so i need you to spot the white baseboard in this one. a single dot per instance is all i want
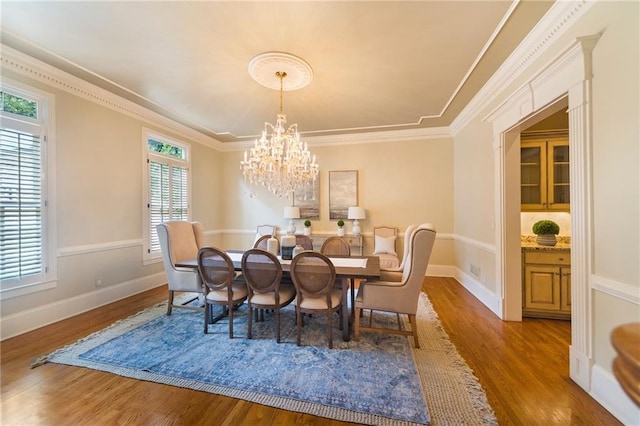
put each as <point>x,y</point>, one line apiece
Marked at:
<point>488,298</point>
<point>22,322</point>
<point>607,391</point>
<point>581,367</point>
<point>440,271</point>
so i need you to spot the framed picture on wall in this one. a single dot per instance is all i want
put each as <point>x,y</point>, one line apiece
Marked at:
<point>343,192</point>
<point>309,201</point>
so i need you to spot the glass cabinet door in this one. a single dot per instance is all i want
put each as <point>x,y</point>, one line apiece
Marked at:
<point>558,175</point>
<point>532,176</point>
<point>544,174</point>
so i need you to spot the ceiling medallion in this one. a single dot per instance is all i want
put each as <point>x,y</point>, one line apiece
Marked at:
<point>264,66</point>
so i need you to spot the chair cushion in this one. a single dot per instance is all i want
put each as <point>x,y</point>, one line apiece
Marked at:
<point>239,292</point>
<point>384,245</point>
<point>321,302</point>
<point>287,293</point>
<point>389,261</point>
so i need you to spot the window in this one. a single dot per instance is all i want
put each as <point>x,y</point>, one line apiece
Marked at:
<point>167,186</point>
<point>26,168</point>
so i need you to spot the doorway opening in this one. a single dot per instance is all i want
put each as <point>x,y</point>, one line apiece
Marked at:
<point>545,197</point>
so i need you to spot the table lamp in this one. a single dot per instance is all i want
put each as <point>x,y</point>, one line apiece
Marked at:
<point>356,213</point>
<point>292,213</point>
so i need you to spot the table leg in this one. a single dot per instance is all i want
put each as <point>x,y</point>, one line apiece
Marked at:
<point>345,309</point>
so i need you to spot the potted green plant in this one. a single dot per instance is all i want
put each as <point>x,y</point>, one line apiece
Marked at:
<point>341,228</point>
<point>546,231</point>
<point>307,227</point>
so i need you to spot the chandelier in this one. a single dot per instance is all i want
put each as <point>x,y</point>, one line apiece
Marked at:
<point>280,161</point>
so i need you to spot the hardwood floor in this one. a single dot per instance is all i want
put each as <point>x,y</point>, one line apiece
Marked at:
<point>522,366</point>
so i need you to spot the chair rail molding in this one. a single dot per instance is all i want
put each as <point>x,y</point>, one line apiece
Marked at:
<point>623,291</point>
<point>98,247</point>
<point>489,248</point>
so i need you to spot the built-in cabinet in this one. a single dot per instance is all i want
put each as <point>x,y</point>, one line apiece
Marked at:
<point>544,172</point>
<point>546,283</point>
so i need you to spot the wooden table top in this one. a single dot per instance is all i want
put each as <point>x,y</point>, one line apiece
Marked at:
<point>372,268</point>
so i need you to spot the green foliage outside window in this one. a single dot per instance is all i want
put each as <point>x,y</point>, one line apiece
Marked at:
<point>18,105</point>
<point>165,148</point>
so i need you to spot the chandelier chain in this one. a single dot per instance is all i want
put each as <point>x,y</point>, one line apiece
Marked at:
<point>281,75</point>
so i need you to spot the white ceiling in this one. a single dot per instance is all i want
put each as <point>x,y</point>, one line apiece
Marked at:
<point>376,65</point>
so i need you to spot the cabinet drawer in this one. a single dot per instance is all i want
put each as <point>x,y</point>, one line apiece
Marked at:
<point>352,241</point>
<point>548,257</point>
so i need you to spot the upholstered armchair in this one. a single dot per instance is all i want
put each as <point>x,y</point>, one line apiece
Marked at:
<point>384,246</point>
<point>395,273</point>
<point>180,241</point>
<point>265,230</point>
<point>400,297</point>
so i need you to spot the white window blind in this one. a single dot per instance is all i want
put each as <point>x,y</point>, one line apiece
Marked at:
<point>21,236</point>
<point>168,197</point>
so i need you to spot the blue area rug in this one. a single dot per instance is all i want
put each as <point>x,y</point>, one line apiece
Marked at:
<point>374,381</point>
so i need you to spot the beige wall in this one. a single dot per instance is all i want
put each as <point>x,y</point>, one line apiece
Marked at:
<point>399,183</point>
<point>99,169</point>
<point>616,172</point>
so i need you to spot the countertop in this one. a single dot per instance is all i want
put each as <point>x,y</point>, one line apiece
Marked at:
<point>528,242</point>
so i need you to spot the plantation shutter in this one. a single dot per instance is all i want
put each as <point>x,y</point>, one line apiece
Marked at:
<point>167,197</point>
<point>21,240</point>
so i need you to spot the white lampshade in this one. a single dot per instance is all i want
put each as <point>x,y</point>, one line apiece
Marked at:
<point>292,212</point>
<point>356,213</point>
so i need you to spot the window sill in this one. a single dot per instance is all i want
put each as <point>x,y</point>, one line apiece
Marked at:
<point>9,293</point>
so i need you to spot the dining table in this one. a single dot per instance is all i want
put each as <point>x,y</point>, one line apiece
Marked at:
<point>348,268</point>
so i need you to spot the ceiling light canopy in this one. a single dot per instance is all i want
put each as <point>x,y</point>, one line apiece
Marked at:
<point>280,161</point>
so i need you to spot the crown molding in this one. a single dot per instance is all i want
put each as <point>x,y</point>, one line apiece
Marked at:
<point>35,69</point>
<point>560,17</point>
<point>362,138</point>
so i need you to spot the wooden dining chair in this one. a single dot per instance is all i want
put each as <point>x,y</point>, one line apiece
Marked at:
<point>222,288</point>
<point>335,246</point>
<point>263,242</point>
<point>314,277</point>
<point>263,273</point>
<point>304,241</point>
